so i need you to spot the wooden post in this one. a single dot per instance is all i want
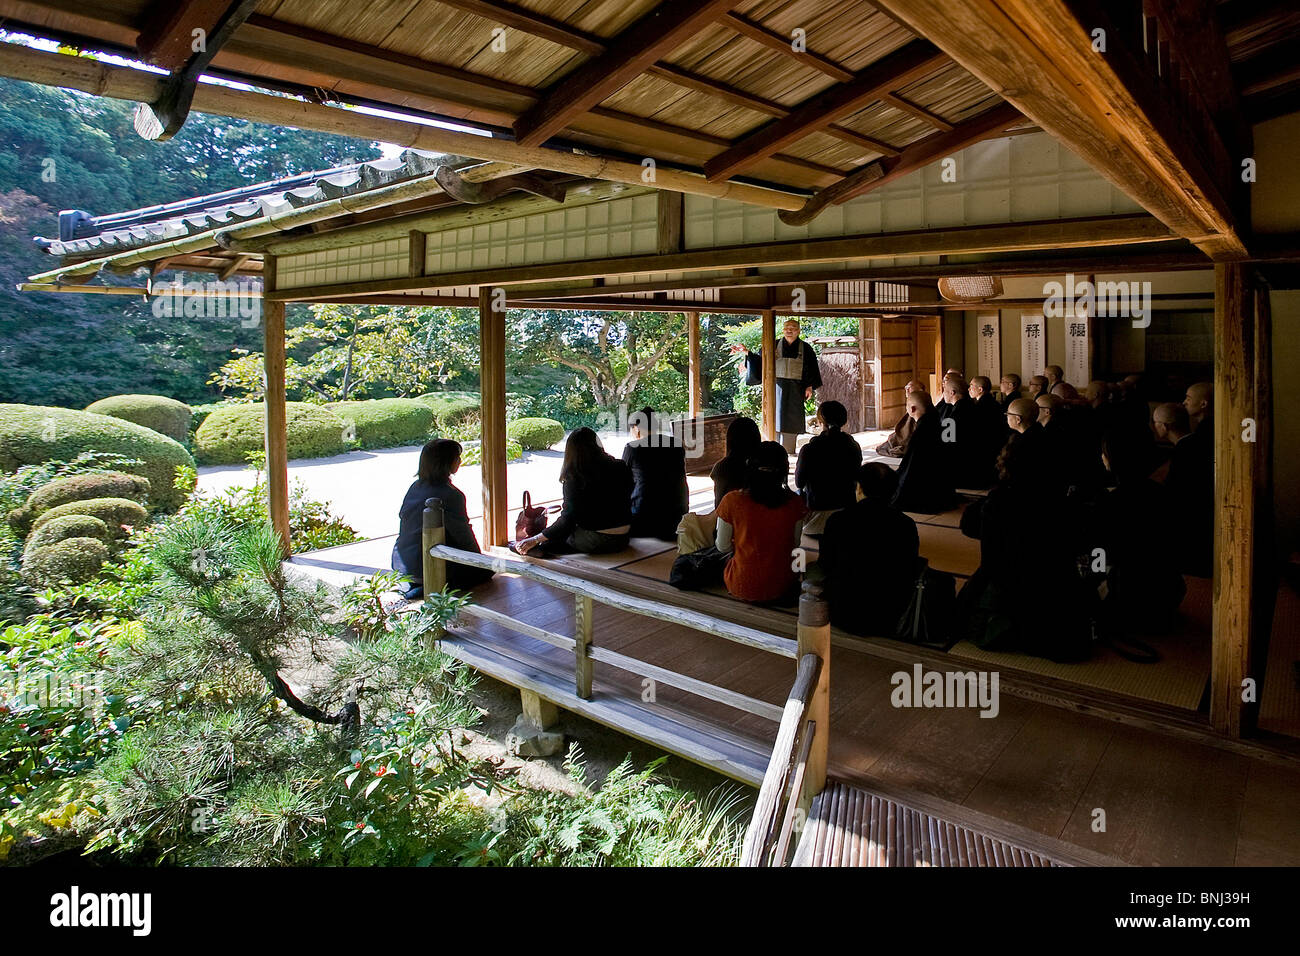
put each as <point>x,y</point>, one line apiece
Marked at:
<point>433,532</point>
<point>538,711</point>
<point>582,611</point>
<point>694,396</point>
<point>277,437</point>
<point>1235,488</point>
<point>769,375</point>
<point>814,637</point>
<point>492,394</point>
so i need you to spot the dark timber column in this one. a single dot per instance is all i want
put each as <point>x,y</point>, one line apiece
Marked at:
<point>492,395</point>
<point>769,375</point>
<point>1235,466</point>
<point>277,440</point>
<point>694,397</point>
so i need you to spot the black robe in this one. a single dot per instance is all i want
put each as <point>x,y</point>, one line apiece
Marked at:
<point>790,415</point>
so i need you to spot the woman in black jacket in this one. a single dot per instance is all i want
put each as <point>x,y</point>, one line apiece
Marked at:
<point>827,470</point>
<point>596,517</point>
<point>439,460</point>
<point>728,474</point>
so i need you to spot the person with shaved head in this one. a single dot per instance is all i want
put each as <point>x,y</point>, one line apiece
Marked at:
<point>1054,374</point>
<point>895,446</point>
<point>1038,386</point>
<point>1008,389</point>
<point>1191,480</point>
<point>925,482</point>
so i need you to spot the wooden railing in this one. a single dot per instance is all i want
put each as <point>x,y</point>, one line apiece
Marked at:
<point>437,553</point>
<point>797,771</point>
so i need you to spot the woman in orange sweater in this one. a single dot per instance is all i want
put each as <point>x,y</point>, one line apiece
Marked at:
<point>760,527</point>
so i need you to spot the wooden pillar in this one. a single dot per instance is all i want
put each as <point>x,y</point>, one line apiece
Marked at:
<point>769,375</point>
<point>277,437</point>
<point>694,389</point>
<point>1235,488</point>
<point>582,621</point>
<point>492,396</point>
<point>814,637</point>
<point>433,531</point>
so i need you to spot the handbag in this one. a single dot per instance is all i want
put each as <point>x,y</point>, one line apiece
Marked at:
<point>696,532</point>
<point>931,614</point>
<point>699,570</point>
<point>753,369</point>
<point>531,520</point>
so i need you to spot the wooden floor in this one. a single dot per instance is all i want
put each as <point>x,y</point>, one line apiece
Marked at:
<point>1134,794</point>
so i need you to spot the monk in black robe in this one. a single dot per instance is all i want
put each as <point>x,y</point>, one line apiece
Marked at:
<point>797,374</point>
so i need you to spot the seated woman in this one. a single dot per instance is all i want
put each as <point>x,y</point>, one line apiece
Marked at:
<point>925,480</point>
<point>868,555</point>
<point>596,516</point>
<point>827,469</point>
<point>439,460</point>
<point>760,526</point>
<point>728,474</point>
<point>658,464</point>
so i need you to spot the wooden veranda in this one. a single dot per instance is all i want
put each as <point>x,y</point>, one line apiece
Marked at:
<point>772,158</point>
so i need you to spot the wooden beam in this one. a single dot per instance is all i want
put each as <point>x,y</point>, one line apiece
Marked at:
<point>1235,488</point>
<point>276,421</point>
<point>670,223</point>
<point>1192,27</point>
<point>492,398</point>
<point>1107,108</point>
<point>895,70</point>
<point>920,154</point>
<point>814,637</point>
<point>168,38</point>
<point>526,21</point>
<point>1051,234</point>
<point>694,393</point>
<point>785,46</point>
<point>629,54</point>
<point>417,245</point>
<point>769,375</point>
<point>920,112</point>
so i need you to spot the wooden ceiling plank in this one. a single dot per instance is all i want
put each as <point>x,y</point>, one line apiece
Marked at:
<point>920,112</point>
<point>785,46</point>
<point>626,56</point>
<point>527,21</point>
<point>1038,54</point>
<point>897,69</point>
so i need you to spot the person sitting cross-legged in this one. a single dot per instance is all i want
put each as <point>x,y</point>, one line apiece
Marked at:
<point>728,474</point>
<point>659,493</point>
<point>760,526</point>
<point>868,556</point>
<point>596,516</point>
<point>925,478</point>
<point>826,471</point>
<point>439,460</point>
<point>895,446</point>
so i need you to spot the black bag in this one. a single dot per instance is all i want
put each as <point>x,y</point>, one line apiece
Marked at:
<point>753,369</point>
<point>699,569</point>
<point>931,615</point>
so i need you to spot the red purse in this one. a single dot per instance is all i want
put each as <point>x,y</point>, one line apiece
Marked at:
<point>531,520</point>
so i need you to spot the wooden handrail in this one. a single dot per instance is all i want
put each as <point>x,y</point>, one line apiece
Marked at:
<point>772,791</point>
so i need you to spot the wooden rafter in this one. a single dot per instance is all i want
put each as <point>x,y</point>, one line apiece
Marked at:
<point>920,112</point>
<point>1107,107</point>
<point>168,38</point>
<point>627,55</point>
<point>895,70</point>
<point>536,24</point>
<point>785,46</point>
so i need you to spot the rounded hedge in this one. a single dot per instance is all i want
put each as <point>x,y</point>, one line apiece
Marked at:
<point>104,484</point>
<point>68,526</point>
<point>32,434</point>
<point>456,412</point>
<point>535,434</point>
<point>73,559</point>
<point>387,422</point>
<point>472,452</point>
<point>229,434</point>
<point>114,512</point>
<point>164,415</point>
<point>200,413</point>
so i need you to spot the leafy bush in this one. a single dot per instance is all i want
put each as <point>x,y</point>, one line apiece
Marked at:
<point>35,434</point>
<point>386,422</point>
<point>164,415</point>
<point>72,559</point>
<point>69,526</point>
<point>114,512</point>
<point>449,414</point>
<point>228,434</point>
<point>534,434</point>
<point>473,452</point>
<point>104,484</point>
<point>200,413</point>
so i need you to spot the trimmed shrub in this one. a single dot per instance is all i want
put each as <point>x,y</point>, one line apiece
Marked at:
<point>104,484</point>
<point>68,526</point>
<point>164,415</point>
<point>114,512</point>
<point>73,559</point>
<point>199,414</point>
<point>32,434</point>
<point>229,434</point>
<point>458,411</point>
<point>387,422</point>
<point>535,433</point>
<point>473,452</point>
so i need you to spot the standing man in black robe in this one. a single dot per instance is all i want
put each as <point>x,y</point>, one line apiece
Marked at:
<point>797,374</point>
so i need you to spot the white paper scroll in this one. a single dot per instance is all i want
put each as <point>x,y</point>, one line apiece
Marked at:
<point>1033,344</point>
<point>989,327</point>
<point>1077,371</point>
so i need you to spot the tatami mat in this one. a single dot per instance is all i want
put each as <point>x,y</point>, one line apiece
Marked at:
<point>947,549</point>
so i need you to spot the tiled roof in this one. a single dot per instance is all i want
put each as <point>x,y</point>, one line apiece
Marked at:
<point>81,234</point>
